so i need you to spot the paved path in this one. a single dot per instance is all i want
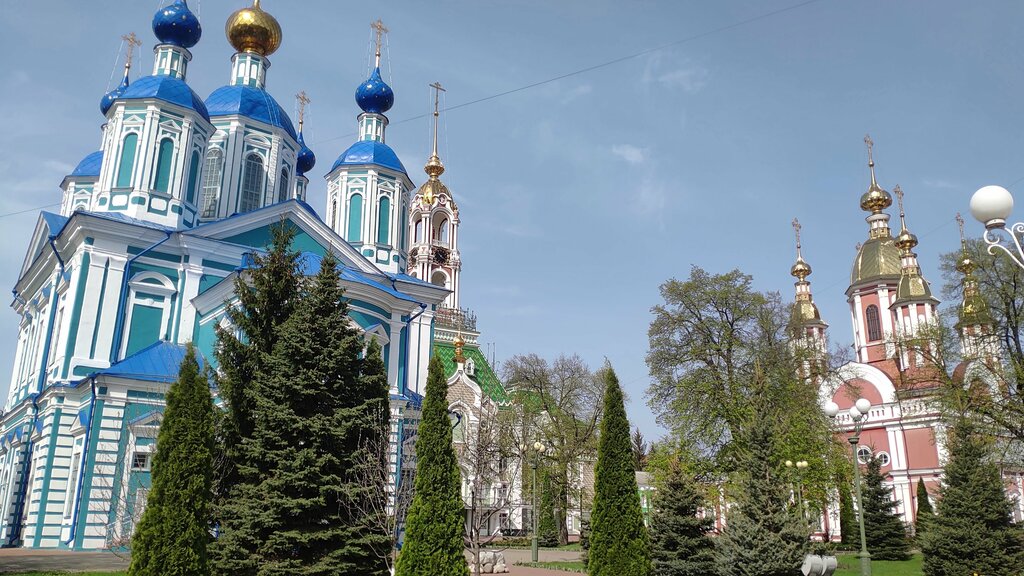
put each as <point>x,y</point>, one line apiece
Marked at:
<point>22,560</point>
<point>513,555</point>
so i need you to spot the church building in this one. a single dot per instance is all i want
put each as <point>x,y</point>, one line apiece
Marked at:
<point>153,231</point>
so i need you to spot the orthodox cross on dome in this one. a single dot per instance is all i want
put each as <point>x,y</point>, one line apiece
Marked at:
<point>303,101</point>
<point>899,198</point>
<point>437,99</point>
<point>960,223</point>
<point>871,160</point>
<point>133,42</point>
<point>380,30</point>
<point>797,227</point>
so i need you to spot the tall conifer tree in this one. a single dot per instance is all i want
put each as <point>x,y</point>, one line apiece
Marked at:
<point>435,523</point>
<point>847,517</point>
<point>619,543</point>
<point>172,537</point>
<point>885,532</point>
<point>973,532</point>
<point>925,513</point>
<point>680,541</point>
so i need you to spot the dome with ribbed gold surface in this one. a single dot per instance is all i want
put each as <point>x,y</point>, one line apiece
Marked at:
<point>254,30</point>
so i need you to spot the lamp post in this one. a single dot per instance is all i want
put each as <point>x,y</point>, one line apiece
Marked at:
<point>991,205</point>
<point>538,449</point>
<point>800,465</point>
<point>859,414</point>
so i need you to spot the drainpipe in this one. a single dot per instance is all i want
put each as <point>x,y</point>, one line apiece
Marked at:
<point>81,466</point>
<point>19,506</point>
<point>115,350</point>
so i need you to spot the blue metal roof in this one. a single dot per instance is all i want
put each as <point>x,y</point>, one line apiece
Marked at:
<point>168,89</point>
<point>251,103</point>
<point>369,152</point>
<point>159,362</point>
<point>55,222</point>
<point>89,166</point>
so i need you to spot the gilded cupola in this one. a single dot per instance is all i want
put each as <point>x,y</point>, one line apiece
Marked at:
<point>973,310</point>
<point>878,258</point>
<point>433,188</point>
<point>804,308</point>
<point>253,30</point>
<point>912,286</point>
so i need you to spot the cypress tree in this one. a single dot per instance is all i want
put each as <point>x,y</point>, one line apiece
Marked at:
<point>972,533</point>
<point>764,535</point>
<point>619,544</point>
<point>266,296</point>
<point>435,523</point>
<point>848,529</point>
<point>885,532</point>
<point>547,525</point>
<point>925,512</point>
<point>680,544</point>
<point>172,537</point>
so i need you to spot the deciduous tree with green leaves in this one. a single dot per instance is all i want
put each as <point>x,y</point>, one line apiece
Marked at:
<point>434,526</point>
<point>174,532</point>
<point>619,544</point>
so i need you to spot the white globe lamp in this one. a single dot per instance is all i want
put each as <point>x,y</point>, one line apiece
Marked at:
<point>863,405</point>
<point>991,205</point>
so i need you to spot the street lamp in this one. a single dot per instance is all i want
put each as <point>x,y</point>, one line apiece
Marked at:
<point>800,465</point>
<point>859,414</point>
<point>538,449</point>
<point>991,205</point>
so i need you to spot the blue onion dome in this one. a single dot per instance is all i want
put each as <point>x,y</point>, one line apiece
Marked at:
<point>175,24</point>
<point>108,99</point>
<point>306,159</point>
<point>374,96</point>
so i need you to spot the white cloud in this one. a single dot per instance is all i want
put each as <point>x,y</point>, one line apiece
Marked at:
<point>685,75</point>
<point>632,154</point>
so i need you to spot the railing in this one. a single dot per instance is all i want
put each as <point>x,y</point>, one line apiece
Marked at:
<point>456,318</point>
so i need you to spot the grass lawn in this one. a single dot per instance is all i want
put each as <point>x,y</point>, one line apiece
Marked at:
<point>572,566</point>
<point>65,573</point>
<point>849,565</point>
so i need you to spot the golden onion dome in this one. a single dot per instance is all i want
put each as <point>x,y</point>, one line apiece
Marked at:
<point>877,258</point>
<point>875,199</point>
<point>806,311</point>
<point>253,30</point>
<point>906,241</point>
<point>431,190</point>
<point>801,269</point>
<point>965,265</point>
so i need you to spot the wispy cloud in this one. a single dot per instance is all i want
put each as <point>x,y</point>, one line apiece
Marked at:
<point>630,153</point>
<point>575,93</point>
<point>681,74</point>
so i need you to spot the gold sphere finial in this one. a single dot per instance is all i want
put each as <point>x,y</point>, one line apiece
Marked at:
<point>801,270</point>
<point>876,198</point>
<point>253,30</point>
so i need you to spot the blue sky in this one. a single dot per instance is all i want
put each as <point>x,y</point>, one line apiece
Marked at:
<point>580,197</point>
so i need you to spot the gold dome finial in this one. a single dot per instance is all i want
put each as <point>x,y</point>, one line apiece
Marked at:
<point>965,265</point>
<point>133,42</point>
<point>380,30</point>
<point>875,199</point>
<point>434,168</point>
<point>253,30</point>
<point>801,270</point>
<point>905,241</point>
<point>459,343</point>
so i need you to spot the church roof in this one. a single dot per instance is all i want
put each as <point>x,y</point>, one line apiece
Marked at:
<point>877,259</point>
<point>484,376</point>
<point>156,363</point>
<point>252,103</point>
<point>89,166</point>
<point>369,152</point>
<point>169,89</point>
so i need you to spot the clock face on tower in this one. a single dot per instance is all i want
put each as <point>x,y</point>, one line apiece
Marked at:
<point>440,255</point>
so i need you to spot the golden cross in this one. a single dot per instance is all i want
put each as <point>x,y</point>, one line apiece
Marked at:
<point>381,30</point>
<point>303,101</point>
<point>870,143</point>
<point>899,197</point>
<point>797,227</point>
<point>133,42</point>
<point>960,222</point>
<point>437,99</point>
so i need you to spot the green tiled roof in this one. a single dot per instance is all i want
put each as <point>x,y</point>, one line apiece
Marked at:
<point>484,377</point>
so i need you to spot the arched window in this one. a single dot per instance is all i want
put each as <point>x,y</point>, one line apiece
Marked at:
<point>384,220</point>
<point>355,218</point>
<point>441,234</point>
<point>164,158</point>
<point>252,183</point>
<point>282,187</point>
<point>124,169</point>
<point>193,178</point>
<point>419,231</point>
<point>211,182</point>
<point>874,323</point>
<point>439,279</point>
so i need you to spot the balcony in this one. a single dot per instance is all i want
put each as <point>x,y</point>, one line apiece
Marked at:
<point>456,319</point>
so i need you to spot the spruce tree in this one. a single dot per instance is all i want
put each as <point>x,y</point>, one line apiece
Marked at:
<point>848,526</point>
<point>435,523</point>
<point>972,533</point>
<point>172,537</point>
<point>925,513</point>
<point>764,535</point>
<point>885,532</point>
<point>266,294</point>
<point>680,541</point>
<point>619,544</point>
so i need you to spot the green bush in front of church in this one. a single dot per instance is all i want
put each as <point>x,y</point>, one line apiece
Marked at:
<point>435,523</point>
<point>174,531</point>
<point>619,544</point>
<point>972,532</point>
<point>884,530</point>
